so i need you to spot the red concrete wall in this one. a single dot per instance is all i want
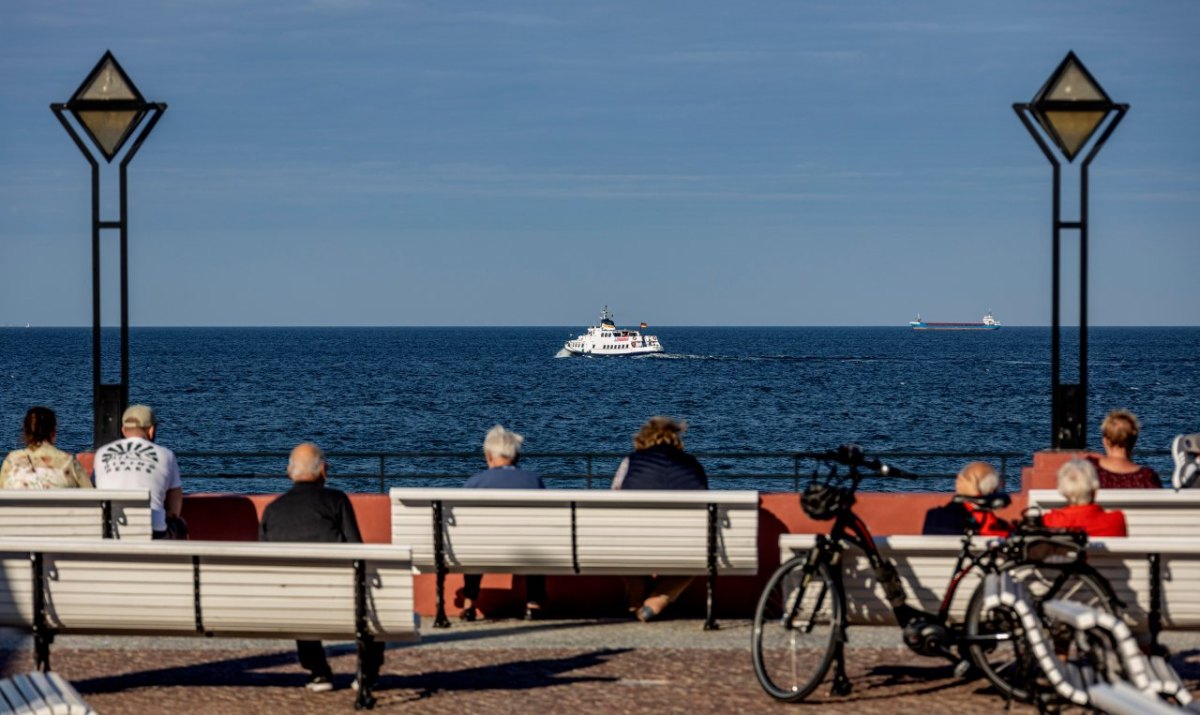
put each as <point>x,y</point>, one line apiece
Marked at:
<point>230,517</point>
<point>1044,472</point>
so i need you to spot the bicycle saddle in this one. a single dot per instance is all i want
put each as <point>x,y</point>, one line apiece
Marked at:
<point>991,502</point>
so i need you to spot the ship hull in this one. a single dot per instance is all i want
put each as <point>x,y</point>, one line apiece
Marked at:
<point>968,326</point>
<point>632,352</point>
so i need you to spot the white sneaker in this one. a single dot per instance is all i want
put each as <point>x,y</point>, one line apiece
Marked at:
<point>319,684</point>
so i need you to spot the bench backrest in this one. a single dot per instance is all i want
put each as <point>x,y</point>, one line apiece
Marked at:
<point>1148,512</point>
<point>74,513</point>
<point>305,591</point>
<point>562,531</point>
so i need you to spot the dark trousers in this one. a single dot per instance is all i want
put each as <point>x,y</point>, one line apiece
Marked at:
<point>535,588</point>
<point>312,659</point>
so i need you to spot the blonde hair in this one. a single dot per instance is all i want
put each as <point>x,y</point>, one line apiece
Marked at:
<point>977,479</point>
<point>660,430</point>
<point>1077,481</point>
<point>1121,428</point>
<point>503,443</point>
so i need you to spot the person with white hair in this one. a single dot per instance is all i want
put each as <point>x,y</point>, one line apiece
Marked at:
<point>1077,482</point>
<point>502,451</point>
<point>312,512</point>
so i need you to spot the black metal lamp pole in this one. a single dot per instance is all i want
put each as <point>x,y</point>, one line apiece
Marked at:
<point>110,109</point>
<point>1069,108</point>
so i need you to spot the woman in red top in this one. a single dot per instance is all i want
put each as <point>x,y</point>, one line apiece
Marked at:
<point>1116,469</point>
<point>1077,482</point>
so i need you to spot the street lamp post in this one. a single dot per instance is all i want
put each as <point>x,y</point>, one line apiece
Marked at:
<point>110,110</point>
<point>1070,107</point>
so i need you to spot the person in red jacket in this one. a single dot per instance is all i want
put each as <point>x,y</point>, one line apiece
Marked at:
<point>1077,481</point>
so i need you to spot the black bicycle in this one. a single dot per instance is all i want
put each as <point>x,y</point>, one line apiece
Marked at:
<point>800,623</point>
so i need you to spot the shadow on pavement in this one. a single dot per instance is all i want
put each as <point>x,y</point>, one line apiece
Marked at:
<point>515,675</point>
<point>248,672</point>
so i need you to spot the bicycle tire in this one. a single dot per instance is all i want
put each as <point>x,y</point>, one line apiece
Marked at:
<point>791,662</point>
<point>998,663</point>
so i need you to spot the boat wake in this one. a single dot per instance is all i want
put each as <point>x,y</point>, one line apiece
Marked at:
<point>564,353</point>
<point>769,358</point>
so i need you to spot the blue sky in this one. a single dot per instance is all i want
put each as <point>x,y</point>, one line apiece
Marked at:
<point>351,162</point>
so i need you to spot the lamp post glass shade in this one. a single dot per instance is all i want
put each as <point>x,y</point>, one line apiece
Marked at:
<point>108,106</point>
<point>1071,106</point>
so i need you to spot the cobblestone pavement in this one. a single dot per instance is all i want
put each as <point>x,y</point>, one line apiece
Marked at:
<point>671,667</point>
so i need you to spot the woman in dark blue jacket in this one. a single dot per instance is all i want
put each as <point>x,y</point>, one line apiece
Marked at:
<point>658,462</point>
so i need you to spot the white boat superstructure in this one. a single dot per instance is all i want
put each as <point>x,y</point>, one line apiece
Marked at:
<point>607,339</point>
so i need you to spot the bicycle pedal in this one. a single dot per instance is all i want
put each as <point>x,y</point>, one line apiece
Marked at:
<point>962,668</point>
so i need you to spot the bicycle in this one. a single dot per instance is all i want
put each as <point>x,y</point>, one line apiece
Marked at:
<point>800,622</point>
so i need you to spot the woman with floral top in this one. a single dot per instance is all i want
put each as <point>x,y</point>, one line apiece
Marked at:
<point>41,465</point>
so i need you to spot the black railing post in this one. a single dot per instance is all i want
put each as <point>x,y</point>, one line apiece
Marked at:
<point>710,620</point>
<point>439,561</point>
<point>589,471</point>
<point>382,474</point>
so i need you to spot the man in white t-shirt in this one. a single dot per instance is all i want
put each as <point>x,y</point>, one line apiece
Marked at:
<point>135,462</point>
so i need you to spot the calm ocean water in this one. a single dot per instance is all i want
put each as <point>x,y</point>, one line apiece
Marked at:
<point>754,389</point>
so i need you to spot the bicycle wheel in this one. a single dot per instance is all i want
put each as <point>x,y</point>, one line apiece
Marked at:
<point>796,628</point>
<point>989,636</point>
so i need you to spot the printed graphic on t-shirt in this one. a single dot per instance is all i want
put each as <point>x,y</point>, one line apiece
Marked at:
<point>130,457</point>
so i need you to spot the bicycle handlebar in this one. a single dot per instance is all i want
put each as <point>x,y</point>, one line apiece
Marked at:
<point>852,455</point>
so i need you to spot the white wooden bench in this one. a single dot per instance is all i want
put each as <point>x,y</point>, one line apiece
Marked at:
<point>1158,578</point>
<point>75,513</point>
<point>203,588</point>
<point>572,531</point>
<point>41,694</point>
<point>1148,512</point>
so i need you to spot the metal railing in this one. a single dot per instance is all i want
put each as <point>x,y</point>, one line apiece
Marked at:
<point>588,467</point>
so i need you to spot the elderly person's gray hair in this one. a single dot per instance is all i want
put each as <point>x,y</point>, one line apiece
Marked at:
<point>1077,481</point>
<point>502,443</point>
<point>306,462</point>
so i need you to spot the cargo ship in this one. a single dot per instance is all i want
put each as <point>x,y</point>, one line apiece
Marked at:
<point>988,323</point>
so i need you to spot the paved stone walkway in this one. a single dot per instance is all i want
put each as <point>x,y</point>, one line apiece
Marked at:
<point>510,667</point>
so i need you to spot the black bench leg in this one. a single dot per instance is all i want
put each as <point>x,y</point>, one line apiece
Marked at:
<point>366,681</point>
<point>710,619</point>
<point>1155,615</point>
<point>439,561</point>
<point>43,636</point>
<point>41,650</point>
<point>440,620</point>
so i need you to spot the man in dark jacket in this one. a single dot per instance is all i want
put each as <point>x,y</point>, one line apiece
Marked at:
<point>311,512</point>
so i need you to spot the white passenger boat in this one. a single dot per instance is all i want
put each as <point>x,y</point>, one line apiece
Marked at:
<point>607,339</point>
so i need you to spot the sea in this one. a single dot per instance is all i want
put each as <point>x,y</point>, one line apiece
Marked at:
<point>753,390</point>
